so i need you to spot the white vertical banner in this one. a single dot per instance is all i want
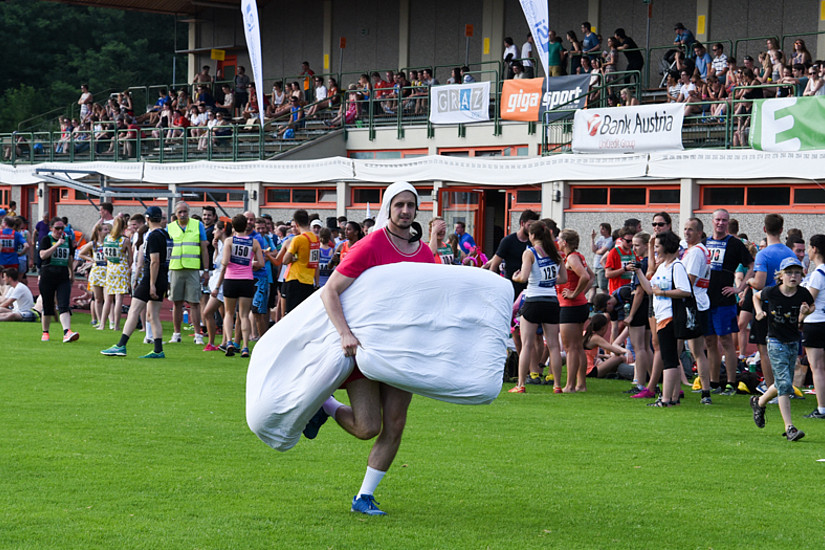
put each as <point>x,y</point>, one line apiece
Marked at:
<point>537,16</point>
<point>252,31</point>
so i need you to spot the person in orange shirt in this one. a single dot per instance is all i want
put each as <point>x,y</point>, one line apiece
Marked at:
<point>302,257</point>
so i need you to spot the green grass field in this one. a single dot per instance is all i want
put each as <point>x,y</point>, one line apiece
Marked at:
<point>102,452</point>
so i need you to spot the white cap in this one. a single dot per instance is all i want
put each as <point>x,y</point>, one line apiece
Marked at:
<point>383,217</point>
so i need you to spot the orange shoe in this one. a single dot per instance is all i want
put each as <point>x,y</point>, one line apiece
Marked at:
<point>516,389</point>
<point>557,389</point>
<point>45,337</point>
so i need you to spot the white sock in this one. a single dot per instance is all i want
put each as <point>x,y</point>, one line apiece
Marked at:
<point>371,480</point>
<point>331,405</point>
<point>821,410</point>
<point>149,330</point>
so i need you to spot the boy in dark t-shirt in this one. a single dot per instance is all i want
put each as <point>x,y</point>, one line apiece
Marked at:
<point>783,305</point>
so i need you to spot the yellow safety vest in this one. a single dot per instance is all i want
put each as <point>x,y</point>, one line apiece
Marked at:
<point>186,245</point>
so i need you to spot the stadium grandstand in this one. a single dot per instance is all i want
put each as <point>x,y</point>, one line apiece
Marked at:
<point>352,101</point>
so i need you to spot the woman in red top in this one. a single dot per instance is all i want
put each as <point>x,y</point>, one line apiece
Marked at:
<point>353,233</point>
<point>574,310</point>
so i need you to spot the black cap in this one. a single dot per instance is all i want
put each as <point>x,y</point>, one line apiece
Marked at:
<point>154,213</point>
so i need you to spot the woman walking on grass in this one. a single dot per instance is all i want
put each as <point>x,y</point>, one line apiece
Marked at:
<point>541,268</point>
<point>813,329</point>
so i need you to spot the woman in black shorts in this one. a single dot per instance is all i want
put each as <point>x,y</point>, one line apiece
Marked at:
<point>241,255</point>
<point>56,277</point>
<point>637,318</point>
<point>574,310</point>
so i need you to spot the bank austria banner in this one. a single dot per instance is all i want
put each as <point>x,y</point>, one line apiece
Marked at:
<point>460,103</point>
<point>788,124</point>
<point>639,129</point>
<point>529,98</point>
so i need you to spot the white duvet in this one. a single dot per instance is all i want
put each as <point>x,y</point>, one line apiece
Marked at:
<point>438,331</point>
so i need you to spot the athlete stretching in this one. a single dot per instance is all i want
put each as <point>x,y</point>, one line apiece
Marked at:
<point>376,408</point>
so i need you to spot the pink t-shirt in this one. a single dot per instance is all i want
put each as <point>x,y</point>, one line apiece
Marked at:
<point>377,249</point>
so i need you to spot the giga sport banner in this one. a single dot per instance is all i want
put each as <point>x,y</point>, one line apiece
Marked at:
<point>527,99</point>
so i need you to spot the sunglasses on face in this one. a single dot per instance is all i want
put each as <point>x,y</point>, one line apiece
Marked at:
<point>628,241</point>
<point>59,228</point>
<point>659,224</point>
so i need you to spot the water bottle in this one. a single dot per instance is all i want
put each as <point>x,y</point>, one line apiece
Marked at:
<point>185,316</point>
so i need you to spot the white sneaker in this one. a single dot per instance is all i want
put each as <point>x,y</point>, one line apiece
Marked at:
<point>147,340</point>
<point>199,339</point>
<point>175,338</point>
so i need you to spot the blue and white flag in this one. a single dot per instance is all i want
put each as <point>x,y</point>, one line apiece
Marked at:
<point>252,32</point>
<point>537,16</point>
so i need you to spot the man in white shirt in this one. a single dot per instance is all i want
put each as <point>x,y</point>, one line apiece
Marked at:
<point>719,65</point>
<point>526,54</point>
<point>18,303</point>
<point>697,262</point>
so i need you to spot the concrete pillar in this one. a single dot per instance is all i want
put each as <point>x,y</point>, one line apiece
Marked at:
<point>552,201</point>
<point>170,204</point>
<point>191,58</point>
<point>437,185</point>
<point>42,203</point>
<point>820,38</point>
<point>341,196</point>
<point>404,33</point>
<point>256,196</point>
<point>492,30</point>
<point>593,9</point>
<point>703,21</point>
<point>688,201</point>
<point>327,36</point>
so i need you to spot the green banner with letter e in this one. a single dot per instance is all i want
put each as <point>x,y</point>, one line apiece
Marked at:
<point>788,124</point>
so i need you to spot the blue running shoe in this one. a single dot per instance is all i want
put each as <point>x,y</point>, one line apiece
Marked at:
<point>365,504</point>
<point>154,355</point>
<point>315,423</point>
<point>245,352</point>
<point>118,351</point>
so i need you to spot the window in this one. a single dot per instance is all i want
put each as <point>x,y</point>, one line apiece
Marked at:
<point>622,197</point>
<point>299,195</point>
<point>513,151</point>
<point>528,196</point>
<point>366,195</point>
<point>389,154</point>
<point>761,198</point>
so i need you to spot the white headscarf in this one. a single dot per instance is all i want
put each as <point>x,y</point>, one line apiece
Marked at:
<point>383,217</point>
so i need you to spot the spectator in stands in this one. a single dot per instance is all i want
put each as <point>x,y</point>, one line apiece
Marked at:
<point>204,133</point>
<point>104,132</point>
<point>241,85</point>
<point>124,99</point>
<point>799,74</point>
<point>555,56</point>
<point>688,94</point>
<point>65,135</point>
<point>296,120</point>
<point>816,84</point>
<point>164,122</point>
<point>455,76</point>
<point>18,149</point>
<point>510,55</point>
<point>591,44</point>
<point>251,109</point>
<point>518,70</point>
<point>719,64</point>
<point>222,130</point>
<point>743,109</point>
<point>179,125</point>
<point>584,66</point>
<point>466,77</point>
<point>85,101</point>
<point>203,77</point>
<point>82,136</point>
<point>307,73</point>
<point>349,109</point>
<point>228,105</point>
<point>801,55</point>
<point>776,56</point>
<point>673,86</point>
<point>575,51</point>
<point>702,59</point>
<point>611,57</point>
<point>294,90</point>
<point>320,96</point>
<point>635,60</point>
<point>527,54</point>
<point>205,97</point>
<point>684,38</point>
<point>788,79</point>
<point>628,97</point>
<point>276,101</point>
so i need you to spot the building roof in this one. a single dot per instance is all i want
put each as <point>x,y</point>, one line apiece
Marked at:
<point>181,7</point>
